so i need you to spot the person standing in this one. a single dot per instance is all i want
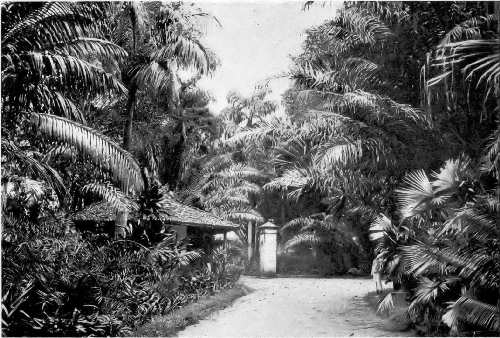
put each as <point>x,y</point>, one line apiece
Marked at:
<point>377,269</point>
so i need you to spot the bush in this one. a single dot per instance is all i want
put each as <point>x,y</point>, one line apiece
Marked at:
<point>55,283</point>
<point>444,250</point>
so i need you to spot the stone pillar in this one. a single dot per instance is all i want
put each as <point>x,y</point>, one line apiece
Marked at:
<point>268,238</point>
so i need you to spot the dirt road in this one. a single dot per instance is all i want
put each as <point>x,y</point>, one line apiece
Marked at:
<point>295,307</point>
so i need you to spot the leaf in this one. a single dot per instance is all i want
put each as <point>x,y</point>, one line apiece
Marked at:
<point>450,176</point>
<point>418,195</point>
<point>309,239</point>
<point>478,313</point>
<point>98,147</point>
<point>379,227</point>
<point>112,195</point>
<point>39,169</point>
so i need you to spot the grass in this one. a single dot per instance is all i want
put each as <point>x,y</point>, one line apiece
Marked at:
<point>169,325</point>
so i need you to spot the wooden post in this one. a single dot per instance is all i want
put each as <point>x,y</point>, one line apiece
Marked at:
<point>121,224</point>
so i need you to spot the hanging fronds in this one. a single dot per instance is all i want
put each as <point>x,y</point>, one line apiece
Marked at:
<point>474,312</point>
<point>296,224</point>
<point>96,146</point>
<point>186,52</point>
<point>34,167</point>
<point>158,77</point>
<point>308,239</point>
<point>112,195</point>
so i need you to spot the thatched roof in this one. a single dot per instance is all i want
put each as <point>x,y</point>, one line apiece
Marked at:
<point>97,212</point>
<point>182,214</point>
<point>173,212</point>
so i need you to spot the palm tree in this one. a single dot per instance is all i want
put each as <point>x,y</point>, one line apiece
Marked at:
<point>228,189</point>
<point>193,128</point>
<point>244,110</point>
<point>160,39</point>
<point>332,234</point>
<point>463,71</point>
<point>450,248</point>
<point>47,61</point>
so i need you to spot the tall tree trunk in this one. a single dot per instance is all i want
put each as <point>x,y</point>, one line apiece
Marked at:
<point>283,211</point>
<point>172,155</point>
<point>127,133</point>
<point>497,15</point>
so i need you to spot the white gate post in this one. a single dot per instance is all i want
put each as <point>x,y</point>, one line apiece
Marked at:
<point>268,238</point>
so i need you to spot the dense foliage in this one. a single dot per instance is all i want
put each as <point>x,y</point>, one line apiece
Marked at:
<point>382,94</point>
<point>387,144</point>
<point>66,68</point>
<point>57,283</point>
<point>439,237</point>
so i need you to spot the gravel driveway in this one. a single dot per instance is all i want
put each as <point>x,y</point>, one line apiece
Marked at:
<point>295,307</point>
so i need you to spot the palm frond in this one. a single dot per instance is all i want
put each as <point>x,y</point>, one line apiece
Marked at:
<point>296,224</point>
<point>396,12</point>
<point>344,153</point>
<point>429,290</point>
<point>46,99</point>
<point>468,222</point>
<point>290,179</point>
<point>478,60</point>
<point>188,257</point>
<point>85,47</point>
<point>491,159</point>
<point>241,171</point>
<point>157,77</point>
<point>379,227</point>
<point>469,29</point>
<point>35,167</point>
<point>186,52</point>
<point>98,147</point>
<point>71,69</point>
<point>450,176</point>
<point>54,22</point>
<point>110,194</point>
<point>475,312</point>
<point>387,304</point>
<point>309,239</point>
<point>418,196</point>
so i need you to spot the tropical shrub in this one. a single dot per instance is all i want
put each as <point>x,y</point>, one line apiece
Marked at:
<point>56,283</point>
<point>444,250</point>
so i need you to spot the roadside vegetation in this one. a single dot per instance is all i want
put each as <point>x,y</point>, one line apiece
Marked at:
<point>386,144</point>
<point>169,325</point>
<point>90,92</point>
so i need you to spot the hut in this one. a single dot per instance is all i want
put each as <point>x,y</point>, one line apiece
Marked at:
<point>187,221</point>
